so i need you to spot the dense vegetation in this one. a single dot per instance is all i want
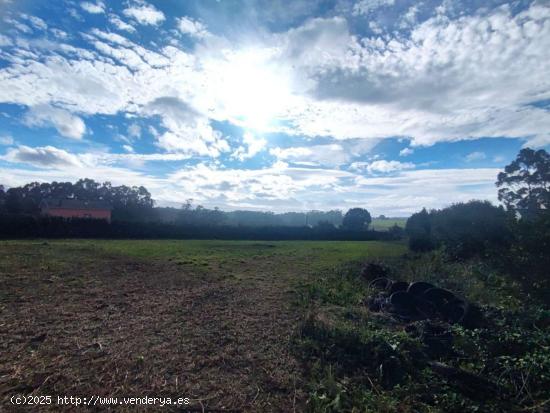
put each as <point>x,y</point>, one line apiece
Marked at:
<point>464,229</point>
<point>363,361</point>
<point>515,240</point>
<point>361,358</point>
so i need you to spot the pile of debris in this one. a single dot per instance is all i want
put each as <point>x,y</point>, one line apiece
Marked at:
<point>428,313</point>
<point>419,301</point>
<point>416,301</point>
<point>427,310</point>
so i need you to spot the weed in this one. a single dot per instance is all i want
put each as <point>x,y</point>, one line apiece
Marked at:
<point>362,361</point>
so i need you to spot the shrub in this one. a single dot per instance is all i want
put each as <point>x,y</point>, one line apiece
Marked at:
<point>472,228</point>
<point>465,230</point>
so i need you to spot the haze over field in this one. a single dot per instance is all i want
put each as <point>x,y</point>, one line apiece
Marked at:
<point>388,104</point>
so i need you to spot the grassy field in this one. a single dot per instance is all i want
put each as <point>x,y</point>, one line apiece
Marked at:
<point>385,224</point>
<point>213,321</point>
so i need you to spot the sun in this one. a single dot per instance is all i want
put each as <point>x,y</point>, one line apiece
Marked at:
<point>254,90</point>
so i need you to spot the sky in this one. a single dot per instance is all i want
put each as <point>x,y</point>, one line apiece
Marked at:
<point>391,105</point>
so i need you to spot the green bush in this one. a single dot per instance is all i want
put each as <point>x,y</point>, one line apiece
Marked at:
<point>419,231</point>
<point>472,228</point>
<point>464,230</point>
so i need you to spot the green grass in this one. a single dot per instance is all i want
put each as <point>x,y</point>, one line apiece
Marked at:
<point>385,224</point>
<point>316,255</point>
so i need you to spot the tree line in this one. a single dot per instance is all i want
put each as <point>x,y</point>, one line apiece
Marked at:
<point>134,215</point>
<point>30,226</point>
<point>513,238</point>
<point>135,204</point>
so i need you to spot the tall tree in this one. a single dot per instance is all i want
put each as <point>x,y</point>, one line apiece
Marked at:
<point>524,186</point>
<point>357,219</point>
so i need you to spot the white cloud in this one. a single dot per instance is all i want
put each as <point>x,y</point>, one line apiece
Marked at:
<point>406,152</point>
<point>120,24</point>
<point>328,155</point>
<point>15,176</point>
<point>129,159</point>
<point>188,131</point>
<point>276,183</point>
<point>93,8</point>
<point>153,131</point>
<point>146,157</point>
<point>409,18</point>
<point>60,34</point>
<point>382,166</point>
<point>281,187</point>
<point>192,27</point>
<point>367,6</point>
<point>52,157</point>
<point>409,191</point>
<point>67,124</point>
<point>5,41</point>
<point>111,37</point>
<point>465,78</point>
<point>6,140</point>
<point>35,21</point>
<point>451,79</point>
<point>375,27</point>
<point>46,156</point>
<point>75,14</point>
<point>134,130</point>
<point>252,145</point>
<point>22,27</point>
<point>91,82</point>
<point>475,156</point>
<point>144,13</point>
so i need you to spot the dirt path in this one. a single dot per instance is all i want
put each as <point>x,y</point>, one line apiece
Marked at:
<point>112,326</point>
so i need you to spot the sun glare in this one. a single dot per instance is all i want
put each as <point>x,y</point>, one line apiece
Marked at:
<point>254,91</point>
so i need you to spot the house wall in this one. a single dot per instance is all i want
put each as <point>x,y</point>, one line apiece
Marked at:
<point>79,213</point>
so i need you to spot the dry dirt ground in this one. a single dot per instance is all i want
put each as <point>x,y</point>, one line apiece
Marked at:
<point>113,326</point>
<point>82,320</point>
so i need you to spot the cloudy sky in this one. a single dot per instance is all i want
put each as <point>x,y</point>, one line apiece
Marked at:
<point>387,104</point>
